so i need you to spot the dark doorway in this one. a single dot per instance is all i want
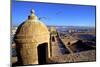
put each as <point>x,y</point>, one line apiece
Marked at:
<point>53,38</point>
<point>42,53</point>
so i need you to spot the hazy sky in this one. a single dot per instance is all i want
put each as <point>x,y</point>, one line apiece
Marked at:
<point>54,14</point>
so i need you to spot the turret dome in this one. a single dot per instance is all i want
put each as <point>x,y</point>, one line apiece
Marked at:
<point>32,41</point>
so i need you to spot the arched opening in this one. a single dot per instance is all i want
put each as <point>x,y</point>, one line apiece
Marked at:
<point>42,53</point>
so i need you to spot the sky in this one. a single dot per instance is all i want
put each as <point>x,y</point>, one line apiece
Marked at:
<point>54,14</point>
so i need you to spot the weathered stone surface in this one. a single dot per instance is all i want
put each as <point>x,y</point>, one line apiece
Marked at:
<point>28,36</point>
<point>75,57</point>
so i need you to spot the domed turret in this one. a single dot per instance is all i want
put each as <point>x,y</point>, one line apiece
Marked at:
<point>32,41</point>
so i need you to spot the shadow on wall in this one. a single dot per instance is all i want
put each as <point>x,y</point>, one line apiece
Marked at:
<point>81,46</point>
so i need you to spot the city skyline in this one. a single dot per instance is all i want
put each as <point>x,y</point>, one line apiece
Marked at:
<point>54,14</point>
